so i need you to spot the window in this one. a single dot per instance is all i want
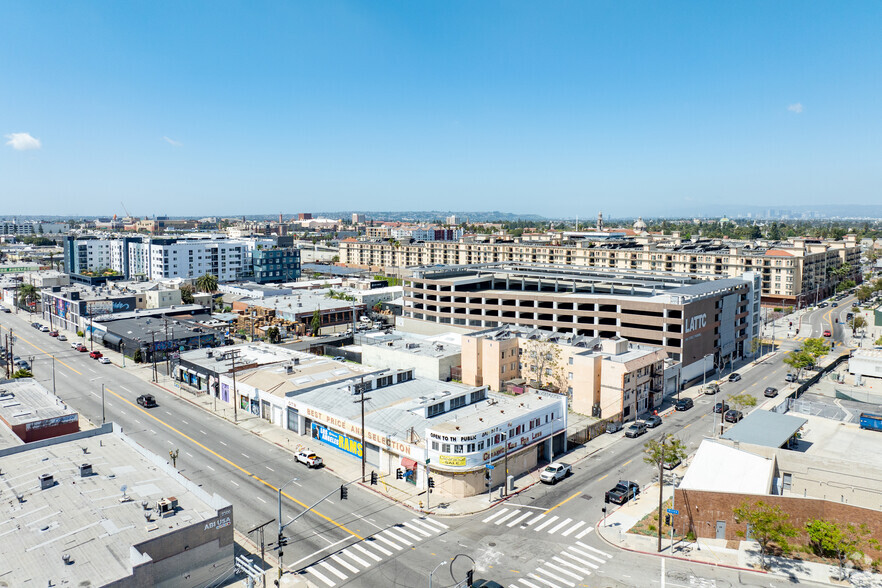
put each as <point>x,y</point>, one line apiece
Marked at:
<point>786,481</point>
<point>570,376</point>
<point>435,446</point>
<point>436,409</point>
<point>571,361</point>
<point>480,445</point>
<point>445,447</point>
<point>470,447</point>
<point>457,448</point>
<point>477,396</point>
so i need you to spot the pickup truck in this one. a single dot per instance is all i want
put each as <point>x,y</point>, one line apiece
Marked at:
<point>623,492</point>
<point>308,458</point>
<point>555,472</point>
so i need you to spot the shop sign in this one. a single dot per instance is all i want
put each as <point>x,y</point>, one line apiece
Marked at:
<point>452,460</point>
<point>335,439</point>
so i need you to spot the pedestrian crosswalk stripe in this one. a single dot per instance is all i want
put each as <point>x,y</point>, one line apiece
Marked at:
<point>404,531</point>
<point>388,542</point>
<point>519,519</point>
<point>579,559</point>
<point>403,540</point>
<point>366,552</point>
<point>579,543</point>
<point>333,570</point>
<point>345,564</point>
<point>494,515</point>
<point>413,527</point>
<point>570,564</point>
<point>426,523</point>
<point>559,526</point>
<point>321,577</point>
<point>585,532</point>
<point>561,570</point>
<point>586,554</point>
<point>439,523</point>
<point>535,577</point>
<point>379,548</point>
<point>546,523</point>
<point>573,528</point>
<point>528,584</point>
<point>506,517</point>
<point>536,520</point>
<point>354,557</point>
<point>556,578</point>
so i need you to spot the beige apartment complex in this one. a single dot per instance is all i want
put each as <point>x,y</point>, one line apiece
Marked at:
<point>796,272</point>
<point>604,378</point>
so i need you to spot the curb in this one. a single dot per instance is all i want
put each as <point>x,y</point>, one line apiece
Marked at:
<point>676,557</point>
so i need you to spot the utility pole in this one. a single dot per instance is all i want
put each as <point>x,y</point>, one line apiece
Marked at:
<point>260,528</point>
<point>234,354</point>
<point>53,375</point>
<point>92,335</point>
<point>363,448</point>
<point>167,364</point>
<point>153,352</point>
<point>102,403</point>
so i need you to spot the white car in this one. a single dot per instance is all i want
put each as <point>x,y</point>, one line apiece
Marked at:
<point>44,329</point>
<point>554,472</point>
<point>103,360</point>
<point>308,458</point>
<point>62,338</point>
<point>74,344</point>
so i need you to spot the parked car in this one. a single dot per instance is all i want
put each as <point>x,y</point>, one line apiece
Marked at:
<point>613,426</point>
<point>684,404</point>
<point>103,360</point>
<point>827,333</point>
<point>849,316</point>
<point>22,365</point>
<point>147,401</point>
<point>308,458</point>
<point>62,337</point>
<point>555,472</point>
<point>95,354</point>
<point>733,416</point>
<point>82,348</point>
<point>653,421</point>
<point>770,392</point>
<point>75,344</point>
<point>53,333</point>
<point>44,329</point>
<point>712,388</point>
<point>721,407</point>
<point>834,304</point>
<point>36,325</point>
<point>4,309</point>
<point>790,378</point>
<point>624,491</point>
<point>823,305</point>
<point>734,377</point>
<point>669,465</point>
<point>855,304</point>
<point>635,430</point>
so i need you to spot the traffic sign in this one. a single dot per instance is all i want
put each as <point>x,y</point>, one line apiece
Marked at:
<point>490,467</point>
<point>673,511</point>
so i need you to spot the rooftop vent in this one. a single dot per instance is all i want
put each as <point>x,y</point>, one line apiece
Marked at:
<point>85,470</point>
<point>46,481</point>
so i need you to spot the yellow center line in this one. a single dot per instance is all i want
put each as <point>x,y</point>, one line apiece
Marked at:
<point>564,501</point>
<point>235,465</point>
<point>626,463</point>
<point>687,426</point>
<point>602,477</point>
<point>40,349</point>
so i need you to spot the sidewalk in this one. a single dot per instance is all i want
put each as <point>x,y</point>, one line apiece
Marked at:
<point>740,555</point>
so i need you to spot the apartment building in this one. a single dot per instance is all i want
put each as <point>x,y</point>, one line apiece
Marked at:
<point>164,258</point>
<point>604,378</point>
<point>794,273</point>
<point>689,319</point>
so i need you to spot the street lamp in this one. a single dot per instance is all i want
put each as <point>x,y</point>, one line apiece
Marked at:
<point>435,570</point>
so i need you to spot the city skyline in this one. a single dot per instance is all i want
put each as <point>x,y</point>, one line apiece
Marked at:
<point>638,109</point>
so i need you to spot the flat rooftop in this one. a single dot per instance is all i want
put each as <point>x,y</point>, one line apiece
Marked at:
<point>426,346</point>
<point>307,372</point>
<point>25,401</point>
<point>839,441</point>
<point>220,359</point>
<point>95,519</point>
<point>303,301</point>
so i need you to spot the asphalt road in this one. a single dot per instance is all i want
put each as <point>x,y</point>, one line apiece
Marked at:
<point>368,541</point>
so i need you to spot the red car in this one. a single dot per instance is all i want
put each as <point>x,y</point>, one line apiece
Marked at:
<point>82,348</point>
<point>95,354</point>
<point>827,333</point>
<point>53,333</point>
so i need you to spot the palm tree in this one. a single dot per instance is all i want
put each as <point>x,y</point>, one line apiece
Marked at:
<point>27,293</point>
<point>206,283</point>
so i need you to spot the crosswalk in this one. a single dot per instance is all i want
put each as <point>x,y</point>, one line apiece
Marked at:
<point>358,557</point>
<point>565,570</point>
<point>553,525</point>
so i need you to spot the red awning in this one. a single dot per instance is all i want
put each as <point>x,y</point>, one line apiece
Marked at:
<point>408,463</point>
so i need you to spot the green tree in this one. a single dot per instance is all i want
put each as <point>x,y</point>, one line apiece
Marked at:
<point>273,334</point>
<point>774,232</point>
<point>742,401</point>
<point>816,347</point>
<point>657,453</point>
<point>315,324</point>
<point>207,283</point>
<point>767,525</point>
<point>857,322</point>
<point>864,293</point>
<point>187,294</point>
<point>22,373</point>
<point>843,542</point>
<point>137,357</point>
<point>27,293</point>
<point>543,360</point>
<point>799,360</point>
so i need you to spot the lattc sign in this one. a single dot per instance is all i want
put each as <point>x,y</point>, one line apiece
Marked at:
<point>696,322</point>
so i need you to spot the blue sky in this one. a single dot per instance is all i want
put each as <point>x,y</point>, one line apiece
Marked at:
<point>552,108</point>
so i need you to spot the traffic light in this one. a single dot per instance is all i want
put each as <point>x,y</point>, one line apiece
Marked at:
<point>487,477</point>
<point>606,498</point>
<point>344,493</point>
<point>399,475</point>
<point>470,578</point>
<point>668,520</point>
<point>283,540</point>
<point>374,478</point>
<point>431,482</point>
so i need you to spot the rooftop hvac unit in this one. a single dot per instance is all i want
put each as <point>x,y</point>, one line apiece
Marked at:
<point>209,353</point>
<point>296,361</point>
<point>46,481</point>
<point>167,505</point>
<point>289,369</point>
<point>85,470</point>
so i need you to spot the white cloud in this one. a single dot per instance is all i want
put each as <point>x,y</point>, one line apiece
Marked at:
<point>172,142</point>
<point>23,141</point>
<point>797,108</point>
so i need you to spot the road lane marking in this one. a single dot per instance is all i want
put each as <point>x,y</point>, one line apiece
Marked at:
<point>560,526</point>
<point>260,499</point>
<point>557,578</point>
<point>494,515</point>
<point>345,564</point>
<point>318,575</point>
<point>535,577</point>
<point>185,422</point>
<point>269,468</point>
<point>545,524</point>
<point>586,554</point>
<point>188,454</point>
<point>366,552</point>
<point>562,502</point>
<point>580,560</point>
<point>203,432</point>
<point>602,477</point>
<point>388,542</point>
<point>561,570</point>
<point>245,456</point>
<point>585,532</point>
<point>234,483</point>
<point>333,570</point>
<point>536,520</point>
<point>580,544</point>
<point>209,467</point>
<point>626,463</point>
<point>519,519</point>
<point>572,529</point>
<point>351,555</point>
<point>506,517</point>
<point>222,443</point>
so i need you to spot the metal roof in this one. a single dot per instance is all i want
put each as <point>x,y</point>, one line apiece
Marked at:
<point>762,427</point>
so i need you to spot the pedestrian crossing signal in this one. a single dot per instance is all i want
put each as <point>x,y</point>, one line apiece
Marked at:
<point>399,475</point>
<point>374,478</point>
<point>470,578</point>
<point>344,493</point>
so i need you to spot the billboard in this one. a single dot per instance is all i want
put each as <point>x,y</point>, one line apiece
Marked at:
<point>335,439</point>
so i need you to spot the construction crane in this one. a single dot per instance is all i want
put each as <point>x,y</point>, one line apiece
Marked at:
<point>126,209</point>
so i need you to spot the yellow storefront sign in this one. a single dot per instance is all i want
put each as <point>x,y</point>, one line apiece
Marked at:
<point>450,460</point>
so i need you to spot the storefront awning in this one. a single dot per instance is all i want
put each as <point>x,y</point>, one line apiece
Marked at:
<point>408,463</point>
<point>111,340</point>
